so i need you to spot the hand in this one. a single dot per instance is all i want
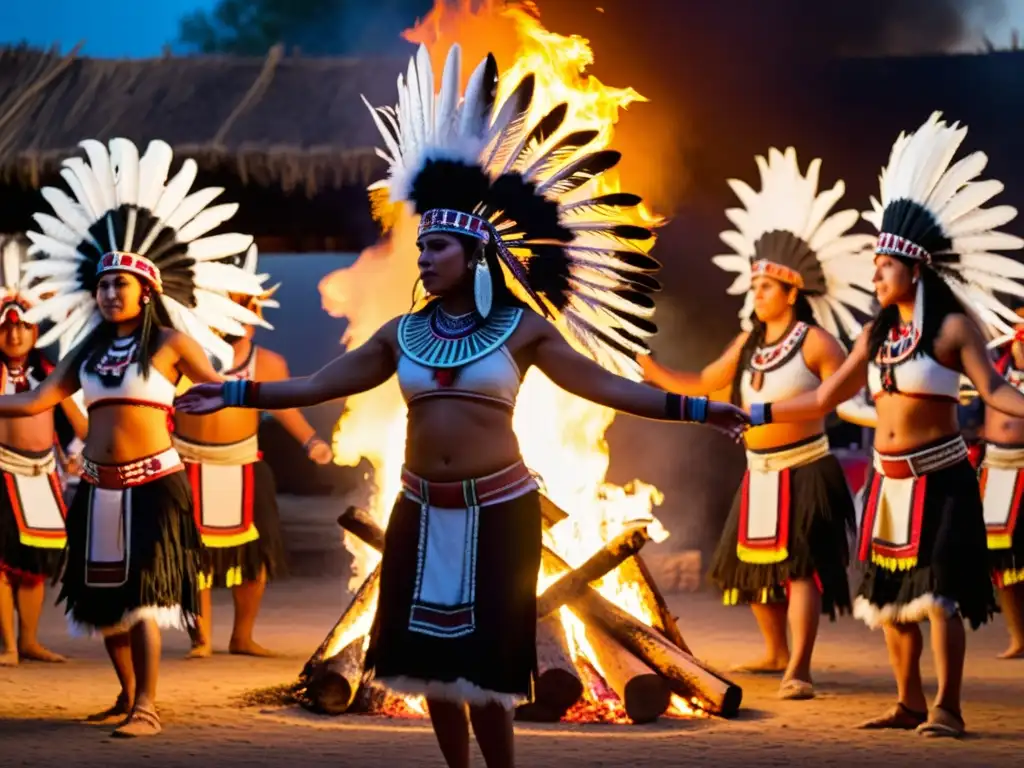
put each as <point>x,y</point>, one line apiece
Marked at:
<point>201,399</point>
<point>728,419</point>
<point>74,465</point>
<point>319,451</point>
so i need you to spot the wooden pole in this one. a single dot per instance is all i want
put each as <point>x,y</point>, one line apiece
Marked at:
<point>558,685</point>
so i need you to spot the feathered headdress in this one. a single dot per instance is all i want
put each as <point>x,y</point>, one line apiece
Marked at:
<point>785,231</point>
<point>17,298</point>
<point>475,167</point>
<point>931,212</point>
<point>125,215</point>
<point>257,303</point>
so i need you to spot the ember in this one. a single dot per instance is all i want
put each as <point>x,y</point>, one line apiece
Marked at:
<point>609,650</point>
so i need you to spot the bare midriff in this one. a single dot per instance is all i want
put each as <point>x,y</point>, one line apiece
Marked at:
<point>232,425</point>
<point>779,435</point>
<point>455,438</point>
<point>1003,429</point>
<point>28,433</point>
<point>906,423</point>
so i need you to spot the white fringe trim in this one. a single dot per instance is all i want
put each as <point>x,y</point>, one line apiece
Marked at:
<point>915,611</point>
<point>166,617</point>
<point>461,691</point>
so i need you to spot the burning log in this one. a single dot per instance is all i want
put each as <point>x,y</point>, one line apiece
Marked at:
<point>361,524</point>
<point>635,571</point>
<point>558,685</point>
<point>687,677</point>
<point>643,692</point>
<point>330,684</point>
<point>573,583</point>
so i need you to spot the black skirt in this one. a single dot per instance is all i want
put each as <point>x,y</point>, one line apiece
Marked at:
<point>231,566</point>
<point>1007,563</point>
<point>952,567</point>
<point>822,518</point>
<point>22,563</point>
<point>495,661</point>
<point>160,576</point>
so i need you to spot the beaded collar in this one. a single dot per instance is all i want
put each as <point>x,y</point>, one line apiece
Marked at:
<point>436,339</point>
<point>773,356</point>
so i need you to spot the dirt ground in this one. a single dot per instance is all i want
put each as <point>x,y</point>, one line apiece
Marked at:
<point>41,705</point>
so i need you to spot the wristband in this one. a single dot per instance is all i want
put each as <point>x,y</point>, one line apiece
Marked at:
<point>239,393</point>
<point>673,406</point>
<point>311,442</point>
<point>760,414</point>
<point>696,409</point>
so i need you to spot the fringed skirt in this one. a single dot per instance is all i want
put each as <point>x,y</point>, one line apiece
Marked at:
<point>792,519</point>
<point>235,503</point>
<point>923,539</point>
<point>32,516</point>
<point>457,616</point>
<point>1002,493</point>
<point>133,548</point>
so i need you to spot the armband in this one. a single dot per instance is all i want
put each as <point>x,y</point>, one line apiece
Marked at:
<point>240,393</point>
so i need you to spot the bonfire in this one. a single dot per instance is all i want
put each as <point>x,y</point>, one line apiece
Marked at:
<point>609,649</point>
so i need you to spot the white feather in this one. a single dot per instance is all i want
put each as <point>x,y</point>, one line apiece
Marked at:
<point>99,162</point>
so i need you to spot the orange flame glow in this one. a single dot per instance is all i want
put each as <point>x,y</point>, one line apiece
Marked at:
<point>561,436</point>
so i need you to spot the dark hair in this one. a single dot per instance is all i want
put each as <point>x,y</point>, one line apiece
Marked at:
<point>502,294</point>
<point>802,313</point>
<point>939,302</point>
<point>154,318</point>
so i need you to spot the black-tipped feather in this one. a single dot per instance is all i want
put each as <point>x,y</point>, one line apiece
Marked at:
<point>559,154</point>
<point>510,121</point>
<point>545,128</point>
<point>580,171</point>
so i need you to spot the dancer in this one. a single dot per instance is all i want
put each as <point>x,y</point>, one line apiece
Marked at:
<point>133,286</point>
<point>456,619</point>
<point>233,490</point>
<point>923,534</point>
<point>1002,481</point>
<point>784,550</point>
<point>31,495</point>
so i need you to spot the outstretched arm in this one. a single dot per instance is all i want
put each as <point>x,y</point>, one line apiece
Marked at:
<point>192,359</point>
<point>272,367</point>
<point>60,384</point>
<point>78,420</point>
<point>843,383</point>
<point>357,371</point>
<point>825,356</point>
<point>581,376</point>
<point>716,376</point>
<point>977,365</point>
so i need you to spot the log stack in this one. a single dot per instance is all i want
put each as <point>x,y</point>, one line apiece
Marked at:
<point>643,665</point>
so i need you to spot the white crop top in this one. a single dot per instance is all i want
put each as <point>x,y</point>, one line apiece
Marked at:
<point>119,359</point>
<point>494,377</point>
<point>778,371</point>
<point>910,373</point>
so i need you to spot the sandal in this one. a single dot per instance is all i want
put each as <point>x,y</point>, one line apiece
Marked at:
<point>141,722</point>
<point>900,717</point>
<point>122,708</point>
<point>796,690</point>
<point>942,723</point>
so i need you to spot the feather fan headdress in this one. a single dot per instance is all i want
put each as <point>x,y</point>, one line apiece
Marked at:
<point>487,170</point>
<point>17,298</point>
<point>931,212</point>
<point>785,231</point>
<point>125,215</point>
<point>257,303</point>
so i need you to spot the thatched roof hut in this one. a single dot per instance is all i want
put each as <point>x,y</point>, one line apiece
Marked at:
<point>288,137</point>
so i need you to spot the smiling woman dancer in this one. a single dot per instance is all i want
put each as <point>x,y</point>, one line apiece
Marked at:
<point>457,614</point>
<point>784,549</point>
<point>923,533</point>
<point>133,288</point>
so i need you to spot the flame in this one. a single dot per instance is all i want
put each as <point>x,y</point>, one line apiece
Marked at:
<point>561,436</point>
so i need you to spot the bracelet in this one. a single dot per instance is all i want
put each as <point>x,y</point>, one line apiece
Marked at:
<point>673,406</point>
<point>239,393</point>
<point>696,409</point>
<point>760,414</point>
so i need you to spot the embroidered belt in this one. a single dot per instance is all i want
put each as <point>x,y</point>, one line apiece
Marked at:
<point>766,500</point>
<point>136,472</point>
<point>228,455</point>
<point>894,512</point>
<point>19,464</point>
<point>919,463</point>
<point>1003,456</point>
<point>507,483</point>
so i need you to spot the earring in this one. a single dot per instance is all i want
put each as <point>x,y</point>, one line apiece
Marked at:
<point>483,291</point>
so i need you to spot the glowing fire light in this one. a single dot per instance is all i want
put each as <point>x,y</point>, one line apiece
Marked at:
<point>561,436</point>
